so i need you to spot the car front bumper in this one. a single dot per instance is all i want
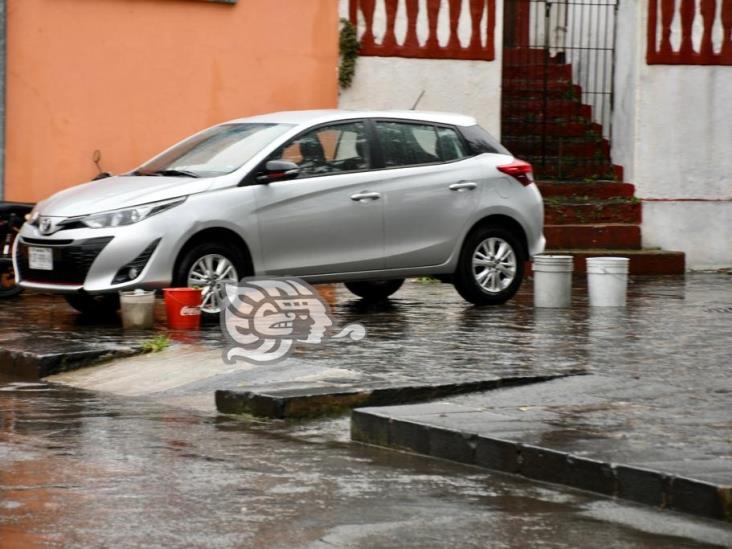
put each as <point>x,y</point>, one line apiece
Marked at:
<point>92,260</point>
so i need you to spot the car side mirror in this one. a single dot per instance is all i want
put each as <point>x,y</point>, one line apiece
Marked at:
<point>278,170</point>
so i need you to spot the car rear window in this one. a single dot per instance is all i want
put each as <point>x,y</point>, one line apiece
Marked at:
<point>480,141</point>
<point>407,144</point>
<point>414,143</point>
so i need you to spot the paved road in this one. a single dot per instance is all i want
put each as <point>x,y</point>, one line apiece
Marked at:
<point>82,469</point>
<point>93,469</point>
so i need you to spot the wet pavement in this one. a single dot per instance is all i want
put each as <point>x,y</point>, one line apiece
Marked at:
<point>83,469</point>
<point>177,472</point>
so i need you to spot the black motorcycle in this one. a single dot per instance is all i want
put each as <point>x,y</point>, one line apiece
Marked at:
<point>12,217</point>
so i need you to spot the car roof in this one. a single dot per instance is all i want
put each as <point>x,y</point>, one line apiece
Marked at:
<point>310,117</point>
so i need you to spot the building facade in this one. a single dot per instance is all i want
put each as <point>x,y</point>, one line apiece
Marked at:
<point>129,78</point>
<point>587,90</point>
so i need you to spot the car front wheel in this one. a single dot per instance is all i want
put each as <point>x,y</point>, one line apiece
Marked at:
<point>210,266</point>
<point>491,267</point>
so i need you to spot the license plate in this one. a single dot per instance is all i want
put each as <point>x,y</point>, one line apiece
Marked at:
<point>40,259</point>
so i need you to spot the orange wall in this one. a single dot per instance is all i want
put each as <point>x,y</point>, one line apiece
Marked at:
<point>131,77</point>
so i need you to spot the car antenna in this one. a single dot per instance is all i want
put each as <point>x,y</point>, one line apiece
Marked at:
<point>417,101</point>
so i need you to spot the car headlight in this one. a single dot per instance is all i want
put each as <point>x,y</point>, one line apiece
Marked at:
<point>128,216</point>
<point>32,217</point>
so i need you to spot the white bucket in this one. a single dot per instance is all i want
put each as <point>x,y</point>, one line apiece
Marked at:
<point>607,281</point>
<point>138,309</point>
<point>553,280</point>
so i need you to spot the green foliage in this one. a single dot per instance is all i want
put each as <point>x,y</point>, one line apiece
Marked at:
<point>156,344</point>
<point>348,46</point>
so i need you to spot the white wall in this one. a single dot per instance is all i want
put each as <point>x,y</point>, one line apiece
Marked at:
<point>467,87</point>
<point>701,229</point>
<point>673,136</point>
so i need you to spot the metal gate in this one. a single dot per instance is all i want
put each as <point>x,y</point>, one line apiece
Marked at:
<point>558,66</point>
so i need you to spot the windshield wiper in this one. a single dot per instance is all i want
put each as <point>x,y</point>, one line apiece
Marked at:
<point>184,173</point>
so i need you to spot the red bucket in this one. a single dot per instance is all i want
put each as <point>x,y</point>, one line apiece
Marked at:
<point>183,308</point>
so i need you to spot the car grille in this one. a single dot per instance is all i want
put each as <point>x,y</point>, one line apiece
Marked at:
<point>70,263</point>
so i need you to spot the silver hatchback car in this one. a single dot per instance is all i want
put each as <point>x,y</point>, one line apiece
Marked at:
<point>365,198</point>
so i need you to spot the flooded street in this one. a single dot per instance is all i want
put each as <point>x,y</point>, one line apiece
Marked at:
<point>79,469</point>
<point>82,468</point>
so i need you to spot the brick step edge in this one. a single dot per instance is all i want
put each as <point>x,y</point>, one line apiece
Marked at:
<point>327,400</point>
<point>600,212</point>
<point>27,364</point>
<point>636,484</point>
<point>642,262</point>
<point>591,189</point>
<point>602,236</point>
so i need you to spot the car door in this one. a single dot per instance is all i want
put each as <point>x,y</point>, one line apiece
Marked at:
<point>330,218</point>
<point>430,191</point>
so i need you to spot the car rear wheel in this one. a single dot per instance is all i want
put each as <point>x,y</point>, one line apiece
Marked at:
<point>210,266</point>
<point>491,266</point>
<point>94,305</point>
<point>375,290</point>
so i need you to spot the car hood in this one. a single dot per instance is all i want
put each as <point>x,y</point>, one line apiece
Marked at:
<point>119,192</point>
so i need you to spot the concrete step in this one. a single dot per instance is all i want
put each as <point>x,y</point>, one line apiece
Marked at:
<point>535,80</point>
<point>535,92</point>
<point>517,104</point>
<point>537,71</point>
<point>522,57</point>
<point>596,160</point>
<point>600,190</point>
<point>642,262</point>
<point>532,145</point>
<point>562,171</point>
<point>522,117</point>
<point>608,235</point>
<point>604,211</point>
<point>588,130</point>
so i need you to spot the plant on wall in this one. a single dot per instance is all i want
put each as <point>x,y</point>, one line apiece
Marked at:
<point>348,47</point>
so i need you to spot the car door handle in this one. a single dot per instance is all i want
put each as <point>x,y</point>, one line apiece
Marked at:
<point>463,186</point>
<point>365,196</point>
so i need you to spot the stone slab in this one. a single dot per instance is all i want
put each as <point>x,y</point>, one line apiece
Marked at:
<point>328,399</point>
<point>38,357</point>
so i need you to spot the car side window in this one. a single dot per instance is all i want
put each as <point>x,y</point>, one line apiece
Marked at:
<point>407,144</point>
<point>449,145</point>
<point>327,150</point>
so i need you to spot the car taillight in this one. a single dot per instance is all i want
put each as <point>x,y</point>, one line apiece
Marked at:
<point>521,171</point>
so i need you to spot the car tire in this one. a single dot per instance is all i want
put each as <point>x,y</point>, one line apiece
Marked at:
<point>195,257</point>
<point>103,305</point>
<point>492,279</point>
<point>376,290</point>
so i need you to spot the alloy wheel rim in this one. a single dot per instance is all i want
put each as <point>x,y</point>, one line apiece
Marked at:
<point>494,265</point>
<point>211,273</point>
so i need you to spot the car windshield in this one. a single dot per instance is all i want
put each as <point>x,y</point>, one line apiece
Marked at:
<point>216,151</point>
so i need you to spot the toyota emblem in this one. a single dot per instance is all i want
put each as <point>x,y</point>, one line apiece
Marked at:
<point>46,225</point>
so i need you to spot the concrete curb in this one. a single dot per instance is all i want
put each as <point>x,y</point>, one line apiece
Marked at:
<point>43,358</point>
<point>333,399</point>
<point>665,491</point>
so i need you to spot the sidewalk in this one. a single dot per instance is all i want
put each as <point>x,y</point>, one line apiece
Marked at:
<point>653,423</point>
